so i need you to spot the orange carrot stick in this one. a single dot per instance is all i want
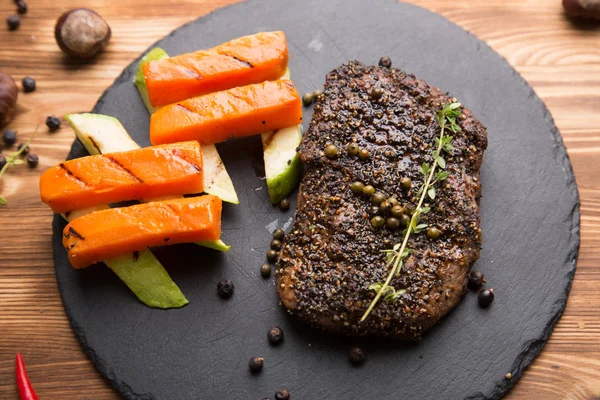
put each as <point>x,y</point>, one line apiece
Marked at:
<point>112,232</point>
<point>241,111</point>
<point>174,169</point>
<point>249,59</point>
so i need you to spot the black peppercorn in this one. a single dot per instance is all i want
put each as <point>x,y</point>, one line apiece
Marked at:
<point>397,211</point>
<point>28,84</point>
<point>9,137</point>
<point>21,6</point>
<point>272,255</point>
<point>378,198</point>
<point>256,364</point>
<point>385,207</point>
<point>276,244</point>
<point>32,160</point>
<point>52,123</point>
<point>278,234</point>
<point>373,211</point>
<point>433,233</point>
<point>353,149</point>
<point>377,222</point>
<point>385,62</point>
<point>357,187</point>
<point>308,99</point>
<point>284,205</point>
<point>405,220</point>
<point>485,297</point>
<point>406,183</point>
<point>331,151</point>
<point>476,280</point>
<point>2,161</point>
<point>368,190</point>
<point>283,394</point>
<point>376,93</point>
<point>25,151</point>
<point>265,270</point>
<point>357,355</point>
<point>363,154</point>
<point>275,335</point>
<point>225,288</point>
<point>392,223</point>
<point>317,93</point>
<point>13,22</point>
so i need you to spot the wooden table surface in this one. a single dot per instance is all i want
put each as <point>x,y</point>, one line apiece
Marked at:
<point>560,59</point>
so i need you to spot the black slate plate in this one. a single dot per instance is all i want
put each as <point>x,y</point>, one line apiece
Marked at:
<point>530,221</point>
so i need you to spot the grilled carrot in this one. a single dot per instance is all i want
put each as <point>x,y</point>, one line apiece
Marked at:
<point>249,59</point>
<point>174,169</point>
<point>241,111</point>
<point>112,232</point>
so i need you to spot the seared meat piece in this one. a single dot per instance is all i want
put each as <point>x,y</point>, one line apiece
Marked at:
<point>333,254</point>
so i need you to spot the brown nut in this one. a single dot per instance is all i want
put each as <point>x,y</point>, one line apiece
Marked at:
<point>8,99</point>
<point>81,33</point>
<point>582,8</point>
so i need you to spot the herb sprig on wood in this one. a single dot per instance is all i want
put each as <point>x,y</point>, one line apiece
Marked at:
<point>11,160</point>
<point>446,119</point>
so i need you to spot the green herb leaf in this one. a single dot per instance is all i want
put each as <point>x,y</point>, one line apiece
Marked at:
<point>419,228</point>
<point>425,169</point>
<point>425,210</point>
<point>311,227</point>
<point>3,201</point>
<point>442,175</point>
<point>441,162</point>
<point>431,193</point>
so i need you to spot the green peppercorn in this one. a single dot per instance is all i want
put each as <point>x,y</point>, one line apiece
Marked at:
<point>357,187</point>
<point>276,244</point>
<point>406,183</point>
<point>377,222</point>
<point>433,233</point>
<point>385,207</point>
<point>392,223</point>
<point>393,201</point>
<point>363,154</point>
<point>265,270</point>
<point>308,99</point>
<point>284,205</point>
<point>397,211</point>
<point>376,93</point>
<point>278,234</point>
<point>272,255</point>
<point>378,198</point>
<point>331,151</point>
<point>353,149</point>
<point>368,190</point>
<point>405,221</point>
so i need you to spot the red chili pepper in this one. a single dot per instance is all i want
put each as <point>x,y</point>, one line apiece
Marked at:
<point>26,392</point>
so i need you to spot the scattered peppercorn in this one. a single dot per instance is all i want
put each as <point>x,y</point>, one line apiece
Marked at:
<point>363,154</point>
<point>393,201</point>
<point>373,211</point>
<point>317,93</point>
<point>397,211</point>
<point>52,123</point>
<point>385,207</point>
<point>331,151</point>
<point>357,187</point>
<point>392,223</point>
<point>225,288</point>
<point>32,160</point>
<point>265,270</point>
<point>357,355</point>
<point>308,99</point>
<point>283,394</point>
<point>272,255</point>
<point>404,220</point>
<point>278,234</point>
<point>9,137</point>
<point>406,183</point>
<point>284,205</point>
<point>276,244</point>
<point>256,364</point>
<point>476,280</point>
<point>353,149</point>
<point>13,22</point>
<point>21,6</point>
<point>485,297</point>
<point>376,93</point>
<point>433,233</point>
<point>28,84</point>
<point>2,161</point>
<point>21,145</point>
<point>378,198</point>
<point>368,190</point>
<point>275,335</point>
<point>377,222</point>
<point>385,62</point>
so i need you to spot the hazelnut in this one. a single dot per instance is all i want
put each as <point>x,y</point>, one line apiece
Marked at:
<point>81,33</point>
<point>8,99</point>
<point>582,8</point>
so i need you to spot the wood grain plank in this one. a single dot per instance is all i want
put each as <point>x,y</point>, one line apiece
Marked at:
<point>560,59</point>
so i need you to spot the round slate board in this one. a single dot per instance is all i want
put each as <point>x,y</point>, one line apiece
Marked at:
<point>530,222</point>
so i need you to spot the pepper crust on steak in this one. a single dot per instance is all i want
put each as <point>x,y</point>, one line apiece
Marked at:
<point>333,254</point>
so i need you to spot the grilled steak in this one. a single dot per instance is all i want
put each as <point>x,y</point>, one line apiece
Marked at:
<point>333,254</point>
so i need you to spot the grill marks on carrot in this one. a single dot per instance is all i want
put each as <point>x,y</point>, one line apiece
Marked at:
<point>249,59</point>
<point>174,169</point>
<point>116,231</point>
<point>241,111</point>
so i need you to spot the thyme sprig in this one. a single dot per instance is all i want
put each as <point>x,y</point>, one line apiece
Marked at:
<point>446,119</point>
<point>11,160</point>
